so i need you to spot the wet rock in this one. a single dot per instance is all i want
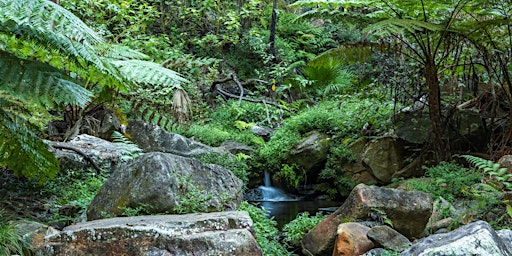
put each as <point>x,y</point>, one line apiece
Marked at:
<point>161,183</point>
<point>409,211</point>
<point>384,156</point>
<point>224,233</point>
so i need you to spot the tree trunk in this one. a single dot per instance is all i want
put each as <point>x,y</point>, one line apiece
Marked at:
<point>273,25</point>
<point>434,103</point>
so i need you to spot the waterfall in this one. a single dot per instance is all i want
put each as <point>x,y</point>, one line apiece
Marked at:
<point>270,193</point>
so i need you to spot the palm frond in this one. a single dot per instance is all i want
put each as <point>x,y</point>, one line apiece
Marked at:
<point>20,148</point>
<point>147,72</point>
<point>39,83</point>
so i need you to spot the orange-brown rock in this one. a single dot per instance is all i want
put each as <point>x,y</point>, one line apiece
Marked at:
<point>352,240</point>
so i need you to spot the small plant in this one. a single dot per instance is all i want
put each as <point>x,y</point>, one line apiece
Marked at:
<point>128,148</point>
<point>289,174</point>
<point>144,209</point>
<point>10,241</point>
<point>295,230</point>
<point>494,170</point>
<point>266,230</point>
<point>193,198</point>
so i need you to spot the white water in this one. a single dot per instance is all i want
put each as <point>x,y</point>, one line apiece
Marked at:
<point>273,194</point>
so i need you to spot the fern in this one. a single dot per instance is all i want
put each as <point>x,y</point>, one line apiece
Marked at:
<point>395,26</point>
<point>146,72</point>
<point>128,148</point>
<point>20,148</point>
<point>494,170</point>
<point>39,83</point>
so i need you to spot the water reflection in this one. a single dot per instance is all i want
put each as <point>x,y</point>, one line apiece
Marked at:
<point>285,211</point>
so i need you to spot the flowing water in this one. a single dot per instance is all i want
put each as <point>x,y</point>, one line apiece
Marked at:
<point>284,207</point>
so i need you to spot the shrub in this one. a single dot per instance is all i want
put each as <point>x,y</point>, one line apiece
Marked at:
<point>295,230</point>
<point>266,231</point>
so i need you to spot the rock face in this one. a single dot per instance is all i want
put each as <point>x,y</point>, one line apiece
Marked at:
<point>388,238</point>
<point>408,211</point>
<point>224,233</point>
<point>312,150</point>
<point>352,240</point>
<point>477,238</point>
<point>160,182</point>
<point>152,138</point>
<point>105,154</point>
<point>384,157</point>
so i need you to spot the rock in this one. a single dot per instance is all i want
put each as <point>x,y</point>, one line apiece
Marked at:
<point>161,183</point>
<point>384,156</point>
<point>220,233</point>
<point>388,238</point>
<point>152,138</point>
<point>33,232</point>
<point>408,211</point>
<point>352,240</point>
<point>311,151</point>
<point>105,154</point>
<point>413,127</point>
<point>376,252</point>
<point>477,238</point>
<point>262,131</point>
<point>506,162</point>
<point>506,237</point>
<point>235,148</point>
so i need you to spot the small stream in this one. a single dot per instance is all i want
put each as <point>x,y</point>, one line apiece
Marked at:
<point>285,207</point>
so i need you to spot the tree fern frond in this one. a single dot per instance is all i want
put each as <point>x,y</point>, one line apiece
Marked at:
<point>395,26</point>
<point>128,148</point>
<point>45,15</point>
<point>20,148</point>
<point>146,72</point>
<point>121,52</point>
<point>344,54</point>
<point>39,82</point>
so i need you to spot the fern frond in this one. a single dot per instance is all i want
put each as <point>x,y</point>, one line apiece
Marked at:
<point>39,83</point>
<point>342,55</point>
<point>121,52</point>
<point>128,148</point>
<point>53,27</point>
<point>20,148</point>
<point>394,26</point>
<point>146,72</point>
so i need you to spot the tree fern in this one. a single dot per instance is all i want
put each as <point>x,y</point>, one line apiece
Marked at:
<point>492,169</point>
<point>147,72</point>
<point>39,83</point>
<point>20,148</point>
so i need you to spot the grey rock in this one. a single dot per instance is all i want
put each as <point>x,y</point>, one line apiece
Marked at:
<point>409,212</point>
<point>160,182</point>
<point>221,233</point>
<point>477,238</point>
<point>388,238</point>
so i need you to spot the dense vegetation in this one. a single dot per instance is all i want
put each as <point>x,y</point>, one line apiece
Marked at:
<point>213,69</point>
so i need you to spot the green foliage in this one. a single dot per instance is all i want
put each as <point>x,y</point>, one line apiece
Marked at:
<point>236,164</point>
<point>129,150</point>
<point>144,209</point>
<point>193,197</point>
<point>295,230</point>
<point>289,174</point>
<point>20,148</point>
<point>493,170</point>
<point>447,180</point>
<point>267,234</point>
<point>10,240</point>
<point>342,119</point>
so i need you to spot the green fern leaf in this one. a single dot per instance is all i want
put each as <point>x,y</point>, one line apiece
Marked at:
<point>20,148</point>
<point>39,83</point>
<point>146,72</point>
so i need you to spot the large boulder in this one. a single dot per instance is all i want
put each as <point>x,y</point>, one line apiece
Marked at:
<point>477,238</point>
<point>408,211</point>
<point>152,138</point>
<point>310,151</point>
<point>164,183</point>
<point>384,156</point>
<point>223,233</point>
<point>105,154</point>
